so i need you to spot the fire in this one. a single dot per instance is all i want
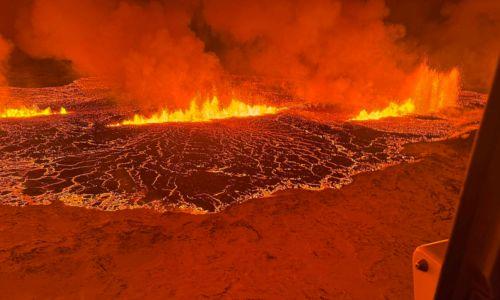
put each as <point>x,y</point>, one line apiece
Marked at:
<point>393,110</point>
<point>432,91</point>
<point>28,112</point>
<point>209,110</point>
<point>435,91</point>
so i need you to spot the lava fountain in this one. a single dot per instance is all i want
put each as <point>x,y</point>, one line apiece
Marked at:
<point>209,110</point>
<point>433,91</point>
<point>393,110</point>
<point>29,112</point>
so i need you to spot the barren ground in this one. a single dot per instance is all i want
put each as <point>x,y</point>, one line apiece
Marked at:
<point>352,243</point>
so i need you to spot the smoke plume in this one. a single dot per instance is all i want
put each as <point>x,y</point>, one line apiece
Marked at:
<point>144,49</point>
<point>468,37</point>
<point>454,33</point>
<point>5,48</point>
<point>356,53</point>
<point>337,51</point>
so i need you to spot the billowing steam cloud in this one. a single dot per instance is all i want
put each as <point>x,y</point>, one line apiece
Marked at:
<point>356,53</point>
<point>454,33</point>
<point>339,51</point>
<point>5,49</point>
<point>146,50</point>
<point>469,37</point>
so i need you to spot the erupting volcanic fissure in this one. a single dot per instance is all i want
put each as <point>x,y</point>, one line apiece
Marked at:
<point>29,112</point>
<point>393,110</point>
<point>192,166</point>
<point>294,79</point>
<point>209,110</point>
<point>432,92</point>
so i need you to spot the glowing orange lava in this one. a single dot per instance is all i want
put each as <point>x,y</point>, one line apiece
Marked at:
<point>393,110</point>
<point>209,110</point>
<point>432,91</point>
<point>29,112</point>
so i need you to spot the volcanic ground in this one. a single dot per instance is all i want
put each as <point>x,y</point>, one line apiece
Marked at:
<point>195,167</point>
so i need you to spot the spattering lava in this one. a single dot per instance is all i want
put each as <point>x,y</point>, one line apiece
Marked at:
<point>29,112</point>
<point>393,110</point>
<point>209,110</point>
<point>194,167</point>
<point>432,92</point>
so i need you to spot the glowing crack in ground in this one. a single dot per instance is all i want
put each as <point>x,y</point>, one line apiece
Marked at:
<point>198,167</point>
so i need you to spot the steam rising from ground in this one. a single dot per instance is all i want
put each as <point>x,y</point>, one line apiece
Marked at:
<point>146,50</point>
<point>353,54</point>
<point>470,36</point>
<point>339,51</point>
<point>454,33</point>
<point>5,48</point>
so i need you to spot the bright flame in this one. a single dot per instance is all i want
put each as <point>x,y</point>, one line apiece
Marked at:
<point>28,112</point>
<point>435,90</point>
<point>209,110</point>
<point>393,110</point>
<point>431,91</point>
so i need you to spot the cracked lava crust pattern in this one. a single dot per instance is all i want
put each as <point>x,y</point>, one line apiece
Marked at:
<point>196,167</point>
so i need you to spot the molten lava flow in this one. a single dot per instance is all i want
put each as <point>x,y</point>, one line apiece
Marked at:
<point>393,110</point>
<point>209,110</point>
<point>28,112</point>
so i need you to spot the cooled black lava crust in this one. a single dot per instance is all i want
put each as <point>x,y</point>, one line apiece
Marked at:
<point>79,160</point>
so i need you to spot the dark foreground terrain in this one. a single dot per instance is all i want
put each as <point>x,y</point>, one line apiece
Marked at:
<point>352,243</point>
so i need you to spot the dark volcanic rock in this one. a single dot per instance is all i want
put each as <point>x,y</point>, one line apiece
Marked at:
<point>81,161</point>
